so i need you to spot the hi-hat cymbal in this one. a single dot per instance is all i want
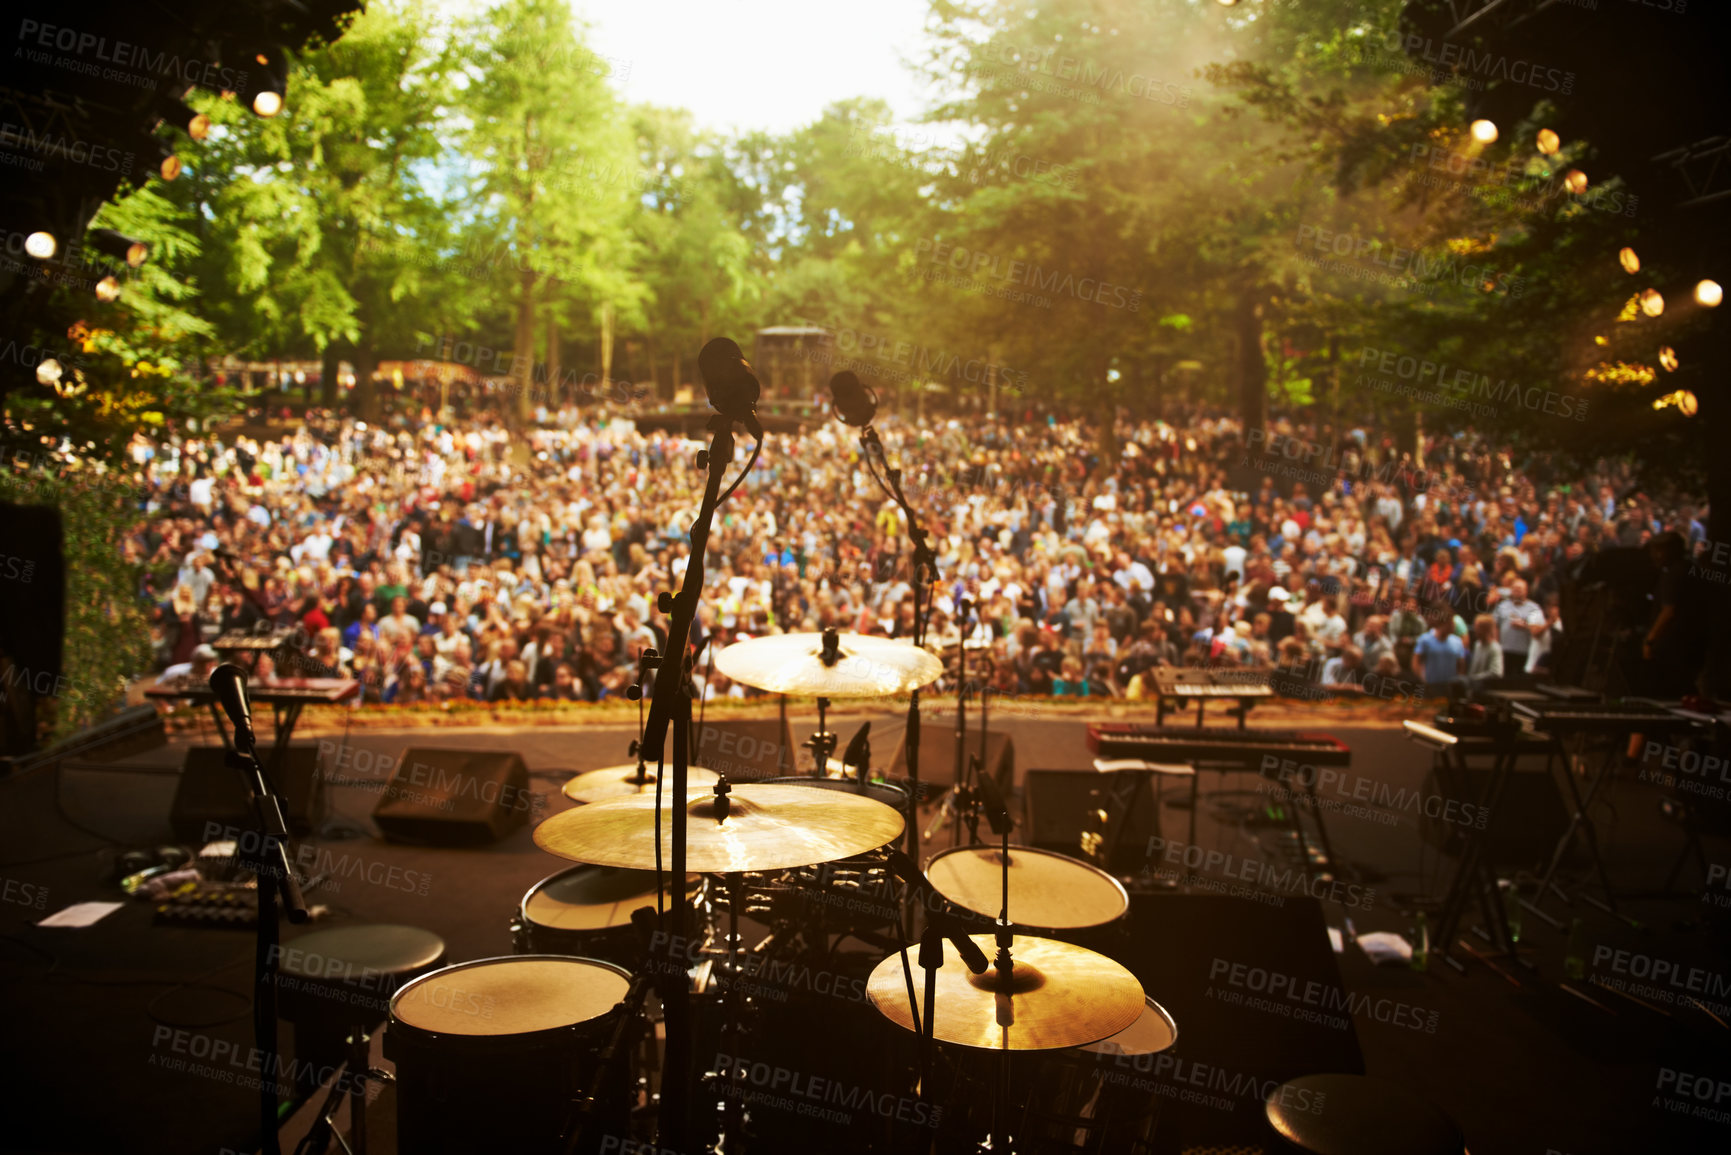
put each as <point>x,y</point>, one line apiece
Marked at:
<point>767,828</point>
<point>1061,996</point>
<point>866,667</point>
<point>621,782</point>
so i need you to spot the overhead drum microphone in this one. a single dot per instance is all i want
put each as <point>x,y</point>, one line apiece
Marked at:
<point>855,404</point>
<point>732,387</point>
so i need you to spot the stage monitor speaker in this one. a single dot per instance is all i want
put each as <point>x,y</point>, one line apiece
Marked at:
<point>212,794</point>
<point>1523,831</point>
<point>938,756</point>
<point>745,749</point>
<point>1061,807</point>
<point>454,797</point>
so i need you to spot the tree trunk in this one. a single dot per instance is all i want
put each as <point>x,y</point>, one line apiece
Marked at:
<point>1334,383</point>
<point>366,395</point>
<point>1252,367</point>
<point>1107,446</point>
<point>676,374</point>
<point>607,347</point>
<point>552,355</point>
<point>330,367</point>
<point>523,359</point>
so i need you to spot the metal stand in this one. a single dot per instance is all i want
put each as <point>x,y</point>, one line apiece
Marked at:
<point>671,708</point>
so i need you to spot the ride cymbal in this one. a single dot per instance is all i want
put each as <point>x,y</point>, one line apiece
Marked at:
<point>863,667</point>
<point>766,828</point>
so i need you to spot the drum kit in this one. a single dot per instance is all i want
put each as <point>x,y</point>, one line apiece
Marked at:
<point>800,1043</point>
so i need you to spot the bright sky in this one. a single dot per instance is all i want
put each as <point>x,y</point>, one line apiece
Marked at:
<point>760,64</point>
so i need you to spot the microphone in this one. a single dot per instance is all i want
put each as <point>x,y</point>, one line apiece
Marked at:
<point>997,813</point>
<point>855,404</point>
<point>859,753</point>
<point>906,869</point>
<point>732,387</point>
<point>228,683</point>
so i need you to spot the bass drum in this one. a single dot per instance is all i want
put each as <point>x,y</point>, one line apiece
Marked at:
<point>492,1054</point>
<point>585,912</point>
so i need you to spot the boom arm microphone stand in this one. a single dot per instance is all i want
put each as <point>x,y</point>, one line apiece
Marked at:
<point>733,392</point>
<point>856,405</point>
<point>269,860</point>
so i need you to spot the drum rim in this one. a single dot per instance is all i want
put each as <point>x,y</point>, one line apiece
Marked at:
<point>693,882</point>
<point>926,868</point>
<point>1153,1004</point>
<point>841,784</point>
<point>423,1034</point>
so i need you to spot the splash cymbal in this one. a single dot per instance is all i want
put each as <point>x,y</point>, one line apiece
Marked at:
<point>621,782</point>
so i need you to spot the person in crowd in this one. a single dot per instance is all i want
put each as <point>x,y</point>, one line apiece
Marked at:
<point>1438,658</point>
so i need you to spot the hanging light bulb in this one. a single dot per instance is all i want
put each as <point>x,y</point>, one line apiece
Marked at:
<point>1652,303</point>
<point>108,288</point>
<point>1668,358</point>
<point>41,245</point>
<point>1575,181</point>
<point>1549,142</point>
<point>48,372</point>
<point>1484,131</point>
<point>1709,293</point>
<point>1630,262</point>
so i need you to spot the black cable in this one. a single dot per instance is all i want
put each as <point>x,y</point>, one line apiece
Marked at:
<point>194,983</point>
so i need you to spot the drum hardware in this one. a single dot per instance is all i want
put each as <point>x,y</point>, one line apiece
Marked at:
<point>628,1010</point>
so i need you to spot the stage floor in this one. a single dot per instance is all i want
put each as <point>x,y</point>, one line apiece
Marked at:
<point>101,1020</point>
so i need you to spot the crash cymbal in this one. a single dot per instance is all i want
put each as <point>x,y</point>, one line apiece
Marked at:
<point>1048,891</point>
<point>1060,995</point>
<point>621,782</point>
<point>864,667</point>
<point>767,828</point>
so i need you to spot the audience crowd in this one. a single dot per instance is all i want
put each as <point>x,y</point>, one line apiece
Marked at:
<point>435,559</point>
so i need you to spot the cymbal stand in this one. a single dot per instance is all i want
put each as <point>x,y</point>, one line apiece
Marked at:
<point>925,575</point>
<point>1006,968</point>
<point>822,743</point>
<point>670,709</point>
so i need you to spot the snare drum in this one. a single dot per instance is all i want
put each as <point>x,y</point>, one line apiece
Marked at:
<point>585,912</point>
<point>1048,891</point>
<point>492,1054</point>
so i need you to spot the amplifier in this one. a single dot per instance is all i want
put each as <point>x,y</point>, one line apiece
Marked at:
<point>1066,811</point>
<point>211,792</point>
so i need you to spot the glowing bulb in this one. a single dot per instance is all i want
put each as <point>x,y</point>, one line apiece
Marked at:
<point>170,168</point>
<point>1549,142</point>
<point>1631,263</point>
<point>1687,403</point>
<point>108,289</point>
<point>1484,131</point>
<point>48,372</point>
<point>1652,303</point>
<point>267,103</point>
<point>41,245</point>
<point>1668,358</point>
<point>198,127</point>
<point>1709,293</point>
<point>1576,181</point>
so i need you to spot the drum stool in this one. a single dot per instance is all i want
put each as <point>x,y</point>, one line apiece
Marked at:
<point>1357,1115</point>
<point>335,986</point>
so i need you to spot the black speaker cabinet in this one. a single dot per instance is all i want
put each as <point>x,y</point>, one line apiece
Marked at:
<point>1523,831</point>
<point>454,797</point>
<point>211,794</point>
<point>745,749</point>
<point>1060,808</point>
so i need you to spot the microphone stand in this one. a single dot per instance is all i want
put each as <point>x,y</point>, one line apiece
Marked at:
<point>925,574</point>
<point>269,862</point>
<point>671,707</point>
